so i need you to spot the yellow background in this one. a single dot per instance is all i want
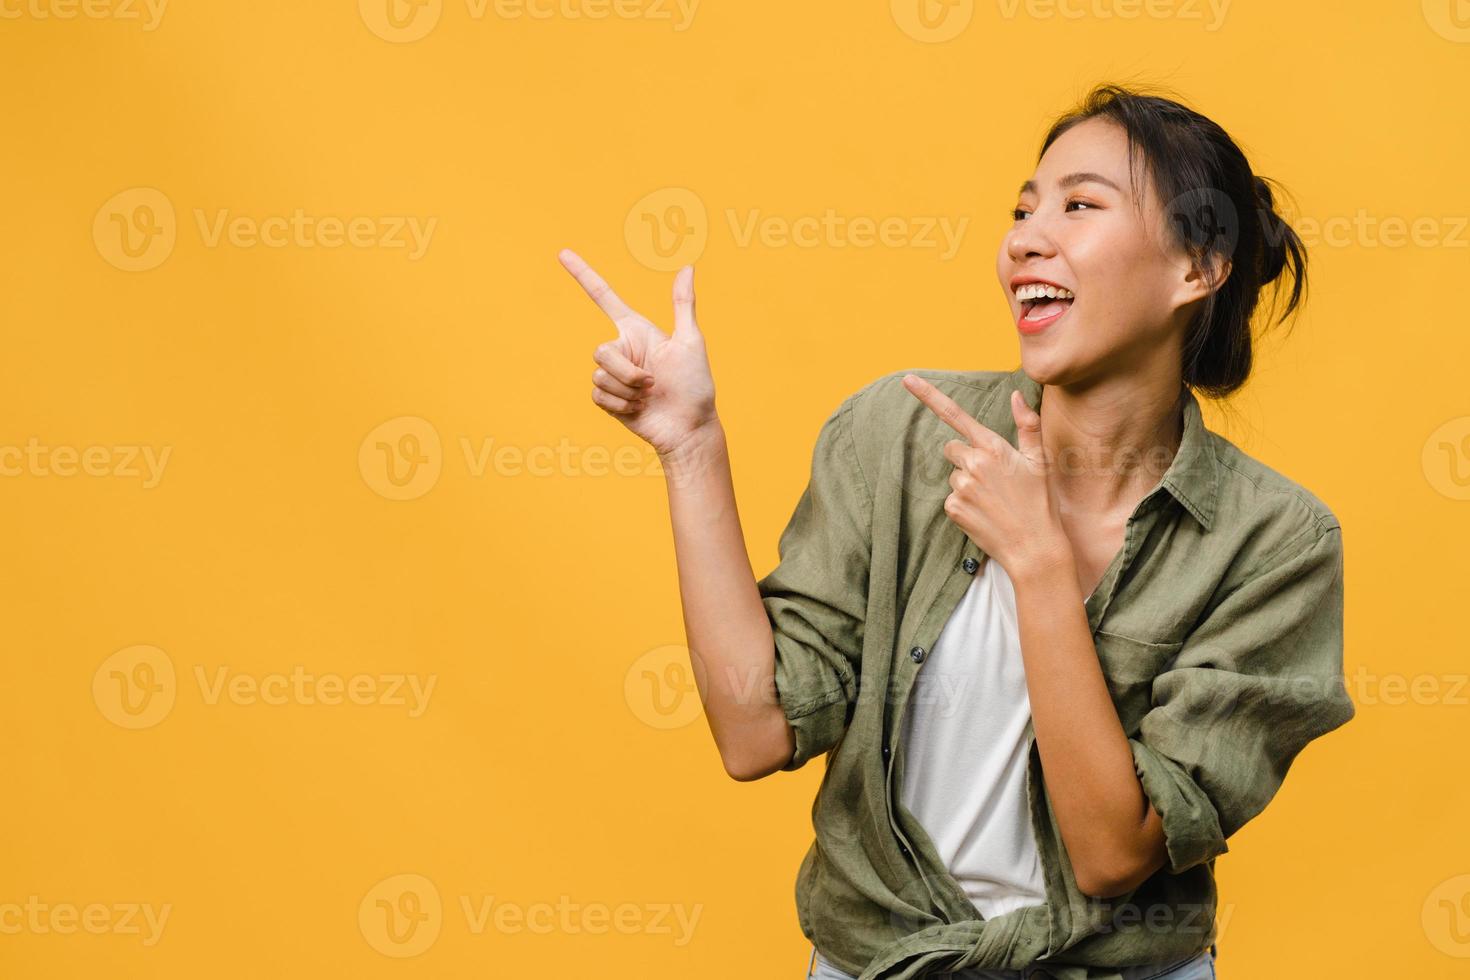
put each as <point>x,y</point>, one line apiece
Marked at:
<point>541,601</point>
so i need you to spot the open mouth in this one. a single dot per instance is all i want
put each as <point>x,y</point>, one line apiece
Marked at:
<point>1044,309</point>
<point>1043,303</point>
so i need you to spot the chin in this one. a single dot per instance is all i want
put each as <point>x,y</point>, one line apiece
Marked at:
<point>1050,367</point>
<point>1040,366</point>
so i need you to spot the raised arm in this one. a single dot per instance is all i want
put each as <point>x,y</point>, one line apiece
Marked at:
<point>660,387</point>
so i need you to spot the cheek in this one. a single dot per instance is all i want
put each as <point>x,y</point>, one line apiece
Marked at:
<point>1115,262</point>
<point>1104,251</point>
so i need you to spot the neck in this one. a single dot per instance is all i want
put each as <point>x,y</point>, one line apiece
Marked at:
<point>1111,443</point>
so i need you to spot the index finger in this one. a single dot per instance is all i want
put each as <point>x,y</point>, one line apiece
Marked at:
<point>949,412</point>
<point>595,286</point>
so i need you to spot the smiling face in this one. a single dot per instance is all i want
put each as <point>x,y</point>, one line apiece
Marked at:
<point>1079,226</point>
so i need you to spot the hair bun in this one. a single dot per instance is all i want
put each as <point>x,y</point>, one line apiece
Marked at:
<point>1263,193</point>
<point>1275,231</point>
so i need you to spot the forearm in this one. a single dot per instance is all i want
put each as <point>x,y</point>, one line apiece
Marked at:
<point>731,646</point>
<point>1110,830</point>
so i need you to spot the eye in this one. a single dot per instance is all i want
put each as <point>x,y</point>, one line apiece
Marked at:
<point>1020,213</point>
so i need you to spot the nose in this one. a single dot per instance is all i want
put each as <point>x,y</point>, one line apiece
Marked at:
<point>1030,238</point>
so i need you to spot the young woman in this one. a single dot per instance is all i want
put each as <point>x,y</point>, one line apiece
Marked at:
<point>1058,640</point>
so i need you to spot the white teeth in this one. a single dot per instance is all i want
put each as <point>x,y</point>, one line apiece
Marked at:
<point>1041,290</point>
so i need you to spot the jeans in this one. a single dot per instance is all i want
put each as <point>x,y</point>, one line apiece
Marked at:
<point>1201,966</point>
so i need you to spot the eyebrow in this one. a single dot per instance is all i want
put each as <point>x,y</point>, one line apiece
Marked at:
<point>1072,180</point>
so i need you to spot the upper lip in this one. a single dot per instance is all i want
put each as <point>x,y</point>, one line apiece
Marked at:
<point>1018,281</point>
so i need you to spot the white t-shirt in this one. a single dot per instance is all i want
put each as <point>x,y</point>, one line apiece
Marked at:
<point>967,742</point>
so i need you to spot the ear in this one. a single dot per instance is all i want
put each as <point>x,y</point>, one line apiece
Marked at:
<point>1196,285</point>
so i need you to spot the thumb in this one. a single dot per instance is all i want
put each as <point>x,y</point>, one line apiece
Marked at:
<point>1028,429</point>
<point>684,323</point>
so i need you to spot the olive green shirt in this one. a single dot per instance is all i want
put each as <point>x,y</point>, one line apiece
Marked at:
<point>1218,629</point>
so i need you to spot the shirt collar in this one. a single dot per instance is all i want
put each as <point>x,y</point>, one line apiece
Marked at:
<point>1193,474</point>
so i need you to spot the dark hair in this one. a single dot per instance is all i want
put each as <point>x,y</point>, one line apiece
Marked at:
<point>1216,207</point>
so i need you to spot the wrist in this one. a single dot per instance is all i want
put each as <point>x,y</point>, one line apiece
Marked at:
<point>1050,566</point>
<point>694,452</point>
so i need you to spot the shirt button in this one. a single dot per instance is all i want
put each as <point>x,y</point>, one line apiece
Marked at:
<point>886,753</point>
<point>917,655</point>
<point>970,565</point>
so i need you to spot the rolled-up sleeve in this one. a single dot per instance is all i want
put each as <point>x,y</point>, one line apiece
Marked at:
<point>816,596</point>
<point>1255,681</point>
